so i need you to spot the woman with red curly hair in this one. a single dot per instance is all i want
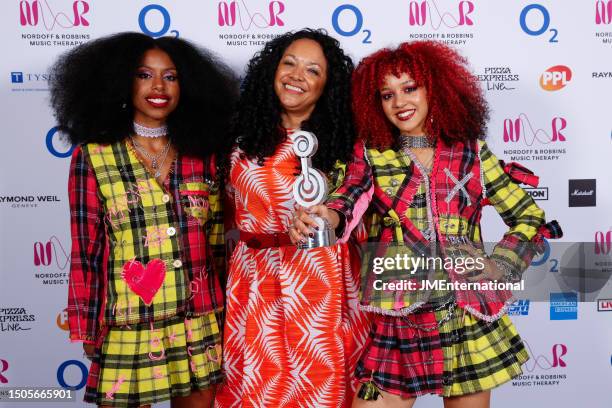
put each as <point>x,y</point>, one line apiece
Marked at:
<point>422,174</point>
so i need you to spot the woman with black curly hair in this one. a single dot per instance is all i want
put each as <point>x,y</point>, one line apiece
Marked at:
<point>292,327</point>
<point>425,169</point>
<point>147,116</point>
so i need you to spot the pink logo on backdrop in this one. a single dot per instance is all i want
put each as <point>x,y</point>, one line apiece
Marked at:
<point>232,12</point>
<point>428,10</point>
<point>521,130</point>
<point>4,365</point>
<point>33,12</point>
<point>603,12</point>
<point>46,253</point>
<point>543,362</point>
<point>603,243</point>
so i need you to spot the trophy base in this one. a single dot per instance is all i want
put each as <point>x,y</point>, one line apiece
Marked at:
<point>322,238</point>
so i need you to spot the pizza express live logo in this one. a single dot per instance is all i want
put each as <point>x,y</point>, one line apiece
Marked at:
<point>14,319</point>
<point>498,78</point>
<point>243,24</point>
<point>448,22</point>
<point>45,23</point>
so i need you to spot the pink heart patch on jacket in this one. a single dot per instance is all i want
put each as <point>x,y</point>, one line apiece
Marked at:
<point>144,281</point>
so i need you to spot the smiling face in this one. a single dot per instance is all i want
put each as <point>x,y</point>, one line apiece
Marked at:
<point>300,77</point>
<point>404,104</point>
<point>155,91</point>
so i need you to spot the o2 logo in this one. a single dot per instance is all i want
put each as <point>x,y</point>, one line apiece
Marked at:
<point>520,129</point>
<point>555,78</point>
<point>166,21</point>
<point>62,320</point>
<point>347,9</point>
<point>425,10</point>
<point>49,142</point>
<point>545,257</point>
<point>45,253</point>
<point>534,9</point>
<point>603,243</point>
<point>61,375</point>
<point>603,12</point>
<point>543,362</point>
<point>232,12</point>
<point>32,12</point>
<point>4,365</point>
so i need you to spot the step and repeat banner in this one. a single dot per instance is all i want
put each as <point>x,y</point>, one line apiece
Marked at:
<point>546,67</point>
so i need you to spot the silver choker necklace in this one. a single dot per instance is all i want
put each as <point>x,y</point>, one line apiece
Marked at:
<point>419,142</point>
<point>150,132</point>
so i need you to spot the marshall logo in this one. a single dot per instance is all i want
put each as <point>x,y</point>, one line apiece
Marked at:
<point>582,193</point>
<point>604,305</point>
<point>540,193</point>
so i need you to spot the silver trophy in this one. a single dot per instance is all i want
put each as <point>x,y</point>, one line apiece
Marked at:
<point>310,188</point>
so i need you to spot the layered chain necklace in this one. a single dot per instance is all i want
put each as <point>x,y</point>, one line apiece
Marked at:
<point>417,142</point>
<point>157,160</point>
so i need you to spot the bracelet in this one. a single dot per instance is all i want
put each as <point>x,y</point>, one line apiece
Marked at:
<point>510,272</point>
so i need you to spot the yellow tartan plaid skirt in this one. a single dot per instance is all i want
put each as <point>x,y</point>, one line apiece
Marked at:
<point>410,356</point>
<point>149,363</point>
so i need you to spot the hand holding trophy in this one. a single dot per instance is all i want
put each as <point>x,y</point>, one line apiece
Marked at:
<point>309,190</point>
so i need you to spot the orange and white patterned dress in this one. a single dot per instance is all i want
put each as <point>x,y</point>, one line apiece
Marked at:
<point>293,331</point>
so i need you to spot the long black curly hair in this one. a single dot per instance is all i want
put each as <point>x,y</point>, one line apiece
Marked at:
<point>259,112</point>
<point>91,92</point>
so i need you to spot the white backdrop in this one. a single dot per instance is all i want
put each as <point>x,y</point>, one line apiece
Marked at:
<point>547,69</point>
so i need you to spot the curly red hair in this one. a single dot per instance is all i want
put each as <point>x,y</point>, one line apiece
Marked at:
<point>456,102</point>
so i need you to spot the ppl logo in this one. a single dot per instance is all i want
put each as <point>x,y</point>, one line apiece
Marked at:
<point>31,13</point>
<point>50,138</point>
<point>521,130</point>
<point>4,365</point>
<point>81,375</point>
<point>519,308</point>
<point>564,306</point>
<point>153,11</point>
<point>603,243</point>
<point>603,12</point>
<point>536,13</point>
<point>555,78</point>
<point>543,362</point>
<point>604,305</point>
<point>46,253</point>
<point>62,320</point>
<point>232,12</point>
<point>428,10</point>
<point>342,12</point>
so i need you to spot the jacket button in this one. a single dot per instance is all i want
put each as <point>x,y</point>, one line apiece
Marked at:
<point>165,198</point>
<point>177,263</point>
<point>446,380</point>
<point>171,231</point>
